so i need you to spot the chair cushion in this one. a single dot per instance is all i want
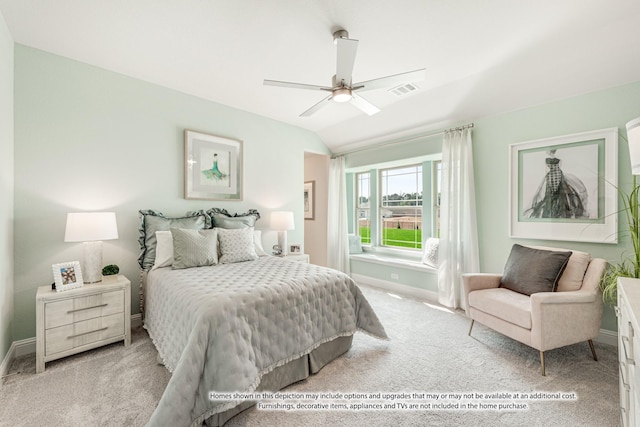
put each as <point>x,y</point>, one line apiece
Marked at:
<point>509,306</point>
<point>573,275</point>
<point>531,270</point>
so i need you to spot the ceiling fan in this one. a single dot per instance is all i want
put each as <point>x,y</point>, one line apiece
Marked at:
<point>342,89</point>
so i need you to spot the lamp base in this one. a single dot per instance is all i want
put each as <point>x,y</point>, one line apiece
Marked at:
<point>92,262</point>
<point>282,241</point>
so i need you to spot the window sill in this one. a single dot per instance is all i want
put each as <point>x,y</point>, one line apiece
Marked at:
<point>412,264</point>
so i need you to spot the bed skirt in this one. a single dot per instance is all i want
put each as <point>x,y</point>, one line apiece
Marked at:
<point>292,372</point>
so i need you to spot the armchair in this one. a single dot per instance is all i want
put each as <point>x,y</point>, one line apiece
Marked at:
<point>542,320</point>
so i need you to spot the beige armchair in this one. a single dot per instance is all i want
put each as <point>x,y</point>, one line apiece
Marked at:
<point>543,320</point>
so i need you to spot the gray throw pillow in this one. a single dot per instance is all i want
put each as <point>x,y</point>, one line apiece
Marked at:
<point>152,221</point>
<point>223,219</point>
<point>531,270</point>
<point>194,248</point>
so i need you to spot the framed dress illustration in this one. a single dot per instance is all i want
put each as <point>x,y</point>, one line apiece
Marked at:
<point>564,188</point>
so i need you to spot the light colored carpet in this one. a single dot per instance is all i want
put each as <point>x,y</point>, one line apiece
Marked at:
<point>429,352</point>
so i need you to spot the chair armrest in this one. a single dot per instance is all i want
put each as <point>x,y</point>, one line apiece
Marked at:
<point>573,297</point>
<point>476,281</point>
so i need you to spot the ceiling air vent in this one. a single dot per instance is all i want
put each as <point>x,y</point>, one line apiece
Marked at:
<point>404,89</point>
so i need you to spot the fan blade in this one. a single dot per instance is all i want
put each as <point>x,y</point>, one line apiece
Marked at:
<point>347,49</point>
<point>364,105</point>
<point>295,85</point>
<point>392,81</point>
<point>317,106</point>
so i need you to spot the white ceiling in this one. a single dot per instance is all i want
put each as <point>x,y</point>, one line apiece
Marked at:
<point>482,57</point>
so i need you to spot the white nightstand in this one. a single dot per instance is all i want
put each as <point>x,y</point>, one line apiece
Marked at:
<point>80,319</point>
<point>297,257</point>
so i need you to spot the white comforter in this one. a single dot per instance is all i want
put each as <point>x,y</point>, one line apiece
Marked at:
<point>221,328</point>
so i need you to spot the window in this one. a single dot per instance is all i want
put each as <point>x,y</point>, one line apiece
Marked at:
<point>363,210</point>
<point>400,210</point>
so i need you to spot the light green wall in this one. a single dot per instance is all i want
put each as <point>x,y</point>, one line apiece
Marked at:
<point>90,139</point>
<point>491,139</point>
<point>6,188</point>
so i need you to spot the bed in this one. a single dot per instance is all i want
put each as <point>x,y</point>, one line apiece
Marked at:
<point>242,326</point>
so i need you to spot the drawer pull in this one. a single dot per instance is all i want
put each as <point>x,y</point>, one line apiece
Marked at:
<point>86,333</point>
<point>625,342</point>
<point>617,311</point>
<point>86,308</point>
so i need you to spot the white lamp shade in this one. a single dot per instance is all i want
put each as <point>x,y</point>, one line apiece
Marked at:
<point>91,226</point>
<point>633,135</point>
<point>282,220</point>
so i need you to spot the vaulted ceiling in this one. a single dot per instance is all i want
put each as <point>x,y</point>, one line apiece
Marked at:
<point>481,57</point>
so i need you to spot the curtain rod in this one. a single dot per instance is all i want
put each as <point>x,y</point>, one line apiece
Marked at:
<point>401,141</point>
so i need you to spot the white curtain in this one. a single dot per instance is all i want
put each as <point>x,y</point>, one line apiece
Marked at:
<point>337,226</point>
<point>458,252</point>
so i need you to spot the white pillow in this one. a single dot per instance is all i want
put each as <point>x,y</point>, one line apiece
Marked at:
<point>164,250</point>
<point>257,241</point>
<point>355,244</point>
<point>430,256</point>
<point>237,245</point>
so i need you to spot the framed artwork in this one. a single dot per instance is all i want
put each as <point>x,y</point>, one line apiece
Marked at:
<point>564,188</point>
<point>212,167</point>
<point>309,200</point>
<point>295,249</point>
<point>67,275</point>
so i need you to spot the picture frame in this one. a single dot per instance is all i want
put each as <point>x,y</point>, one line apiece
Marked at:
<point>295,248</point>
<point>564,188</point>
<point>309,200</point>
<point>67,275</point>
<point>212,167</point>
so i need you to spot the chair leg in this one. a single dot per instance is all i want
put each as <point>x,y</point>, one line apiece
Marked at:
<point>542,363</point>
<point>471,327</point>
<point>593,350</point>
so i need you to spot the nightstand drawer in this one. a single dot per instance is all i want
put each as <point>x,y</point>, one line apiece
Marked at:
<point>73,310</point>
<point>67,337</point>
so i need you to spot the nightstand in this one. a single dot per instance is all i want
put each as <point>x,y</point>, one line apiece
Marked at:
<point>297,257</point>
<point>80,319</point>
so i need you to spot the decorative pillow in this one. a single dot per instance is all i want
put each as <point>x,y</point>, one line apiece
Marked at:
<point>164,249</point>
<point>571,279</point>
<point>355,244</point>
<point>194,248</point>
<point>152,221</point>
<point>257,241</point>
<point>236,245</point>
<point>531,270</point>
<point>223,219</point>
<point>430,256</point>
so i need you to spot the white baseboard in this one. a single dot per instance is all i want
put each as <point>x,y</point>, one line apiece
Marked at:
<point>28,345</point>
<point>607,337</point>
<point>410,291</point>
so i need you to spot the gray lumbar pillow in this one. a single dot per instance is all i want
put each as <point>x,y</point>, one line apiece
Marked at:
<point>531,270</point>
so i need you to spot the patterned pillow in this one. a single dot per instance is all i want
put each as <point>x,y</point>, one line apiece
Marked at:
<point>152,221</point>
<point>194,248</point>
<point>236,245</point>
<point>430,256</point>
<point>223,219</point>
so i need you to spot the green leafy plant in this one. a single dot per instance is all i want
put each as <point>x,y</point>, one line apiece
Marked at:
<point>110,270</point>
<point>629,266</point>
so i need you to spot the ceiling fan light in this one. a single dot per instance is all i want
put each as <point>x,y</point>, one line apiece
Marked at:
<point>342,94</point>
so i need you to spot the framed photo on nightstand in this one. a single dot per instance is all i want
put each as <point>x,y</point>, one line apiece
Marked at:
<point>67,275</point>
<point>295,249</point>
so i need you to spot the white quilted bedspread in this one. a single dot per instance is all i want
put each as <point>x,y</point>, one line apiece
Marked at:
<point>221,328</point>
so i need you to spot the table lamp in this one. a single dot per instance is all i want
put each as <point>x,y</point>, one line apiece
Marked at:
<point>91,228</point>
<point>282,221</point>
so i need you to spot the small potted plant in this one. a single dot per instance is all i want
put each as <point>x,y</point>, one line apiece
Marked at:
<point>109,272</point>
